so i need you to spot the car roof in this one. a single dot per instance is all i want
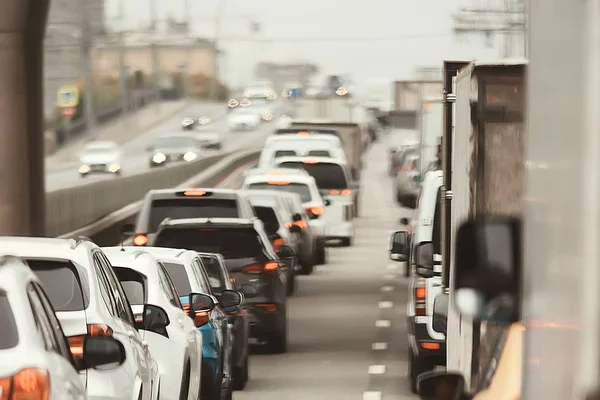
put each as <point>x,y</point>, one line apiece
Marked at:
<point>100,144</point>
<point>276,171</point>
<point>313,160</point>
<point>276,139</point>
<point>192,222</point>
<point>131,257</point>
<point>292,178</point>
<point>76,250</point>
<point>15,273</point>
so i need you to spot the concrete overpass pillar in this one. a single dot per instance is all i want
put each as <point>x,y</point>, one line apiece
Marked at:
<point>22,192</point>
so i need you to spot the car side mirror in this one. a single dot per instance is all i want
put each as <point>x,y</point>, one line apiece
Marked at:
<point>249,291</point>
<point>154,319</point>
<point>200,307</point>
<point>327,202</point>
<point>441,385</point>
<point>102,353</point>
<point>488,269</point>
<point>230,298</point>
<point>440,312</point>
<point>286,252</point>
<point>297,217</point>
<point>424,259</point>
<point>399,246</point>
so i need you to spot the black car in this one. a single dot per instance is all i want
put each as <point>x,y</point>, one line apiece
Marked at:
<point>167,149</point>
<point>219,280</point>
<point>187,203</point>
<point>250,259</point>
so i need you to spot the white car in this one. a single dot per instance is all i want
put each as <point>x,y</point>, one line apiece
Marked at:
<point>305,186</point>
<point>100,157</point>
<point>299,148</point>
<point>187,269</point>
<point>89,300</point>
<point>35,359</point>
<point>292,140</point>
<point>176,344</point>
<point>210,139</point>
<point>243,119</point>
<point>334,180</point>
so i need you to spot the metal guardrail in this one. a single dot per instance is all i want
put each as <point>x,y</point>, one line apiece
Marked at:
<point>89,210</point>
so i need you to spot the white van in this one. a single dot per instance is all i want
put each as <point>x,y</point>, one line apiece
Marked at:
<point>427,348</point>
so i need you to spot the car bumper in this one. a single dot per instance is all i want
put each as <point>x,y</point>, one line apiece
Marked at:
<point>341,230</point>
<point>263,322</point>
<point>423,345</point>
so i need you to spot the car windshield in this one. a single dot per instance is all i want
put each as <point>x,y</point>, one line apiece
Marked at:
<point>9,335</point>
<point>98,150</point>
<point>268,217</point>
<point>299,188</point>
<point>134,285</point>
<point>174,142</point>
<point>230,242</point>
<point>179,277</point>
<point>327,175</point>
<point>61,280</point>
<point>197,207</point>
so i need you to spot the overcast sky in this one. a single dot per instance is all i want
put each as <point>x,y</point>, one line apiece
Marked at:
<point>381,39</point>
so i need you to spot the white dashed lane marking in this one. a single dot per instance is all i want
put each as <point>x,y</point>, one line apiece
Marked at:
<point>387,288</point>
<point>376,369</point>
<point>386,304</point>
<point>383,323</point>
<point>380,346</point>
<point>389,276</point>
<point>372,396</point>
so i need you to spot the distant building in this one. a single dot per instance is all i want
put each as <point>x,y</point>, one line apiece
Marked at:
<point>63,59</point>
<point>177,52</point>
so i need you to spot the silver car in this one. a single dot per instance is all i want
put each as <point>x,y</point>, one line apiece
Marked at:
<point>172,148</point>
<point>211,139</point>
<point>100,157</point>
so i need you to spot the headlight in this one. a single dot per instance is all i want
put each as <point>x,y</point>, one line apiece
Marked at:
<point>187,121</point>
<point>159,158</point>
<point>114,168</point>
<point>233,103</point>
<point>84,169</point>
<point>204,120</point>
<point>189,156</point>
<point>267,116</point>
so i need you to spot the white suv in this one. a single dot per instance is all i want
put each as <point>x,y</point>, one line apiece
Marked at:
<point>33,347</point>
<point>89,300</point>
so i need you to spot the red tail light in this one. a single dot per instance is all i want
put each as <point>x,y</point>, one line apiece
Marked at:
<point>421,298</point>
<point>408,165</point>
<point>315,210</point>
<point>76,342</point>
<point>29,383</point>
<point>268,267</point>
<point>277,243</point>
<point>140,239</point>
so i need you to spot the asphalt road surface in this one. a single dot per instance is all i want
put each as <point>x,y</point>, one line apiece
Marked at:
<point>136,159</point>
<point>347,321</point>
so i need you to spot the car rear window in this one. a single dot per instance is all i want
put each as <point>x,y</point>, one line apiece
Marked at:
<point>299,188</point>
<point>9,336</point>
<point>134,285</point>
<point>268,217</point>
<point>179,277</point>
<point>215,274</point>
<point>230,242</point>
<point>327,175</point>
<point>64,284</point>
<point>191,208</point>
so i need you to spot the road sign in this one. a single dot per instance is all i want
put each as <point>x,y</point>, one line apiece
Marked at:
<point>68,96</point>
<point>68,112</point>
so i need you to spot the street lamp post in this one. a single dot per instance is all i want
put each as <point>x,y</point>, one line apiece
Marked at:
<point>215,70</point>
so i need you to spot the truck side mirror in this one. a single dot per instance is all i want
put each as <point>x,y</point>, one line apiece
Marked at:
<point>440,312</point>
<point>424,259</point>
<point>399,246</point>
<point>487,271</point>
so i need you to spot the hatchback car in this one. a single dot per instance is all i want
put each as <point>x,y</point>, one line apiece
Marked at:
<point>90,301</point>
<point>35,359</point>
<point>250,259</point>
<point>100,157</point>
<point>187,203</point>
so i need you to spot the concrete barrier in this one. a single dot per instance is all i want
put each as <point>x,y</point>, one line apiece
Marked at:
<point>89,210</point>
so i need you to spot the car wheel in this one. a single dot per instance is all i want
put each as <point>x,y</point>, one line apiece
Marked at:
<point>219,146</point>
<point>211,384</point>
<point>277,343</point>
<point>240,375</point>
<point>291,283</point>
<point>83,175</point>
<point>416,366</point>
<point>321,254</point>
<point>347,242</point>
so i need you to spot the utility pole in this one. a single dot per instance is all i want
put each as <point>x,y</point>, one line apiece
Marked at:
<point>86,57</point>
<point>186,70</point>
<point>509,21</point>
<point>215,70</point>
<point>122,66</point>
<point>153,50</point>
